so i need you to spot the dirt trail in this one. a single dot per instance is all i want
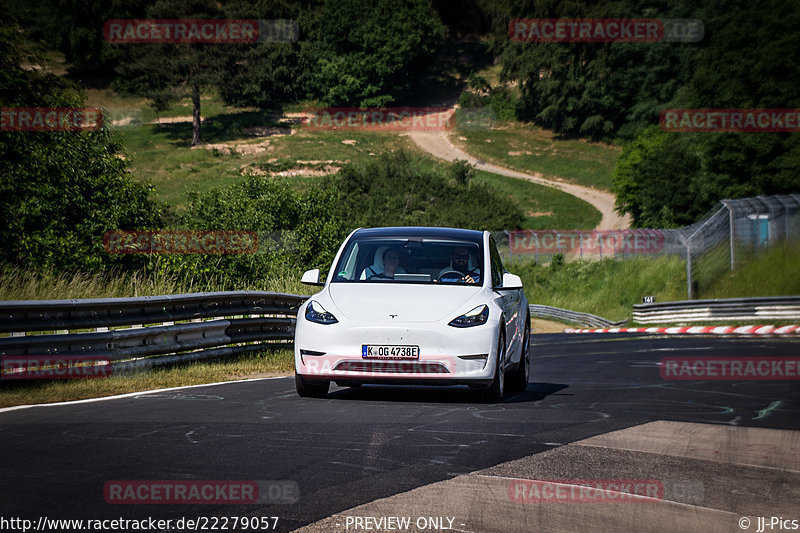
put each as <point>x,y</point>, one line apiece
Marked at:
<point>437,144</point>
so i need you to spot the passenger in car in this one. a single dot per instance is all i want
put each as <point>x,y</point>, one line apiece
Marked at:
<point>391,261</point>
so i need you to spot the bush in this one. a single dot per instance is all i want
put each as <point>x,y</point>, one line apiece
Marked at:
<point>501,100</point>
<point>557,261</point>
<point>400,190</point>
<point>462,172</point>
<point>367,53</point>
<point>60,191</point>
<point>295,231</point>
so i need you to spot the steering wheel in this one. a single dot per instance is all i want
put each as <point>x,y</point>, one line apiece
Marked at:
<point>459,274</point>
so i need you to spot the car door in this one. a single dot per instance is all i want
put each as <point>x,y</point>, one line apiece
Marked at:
<point>509,301</point>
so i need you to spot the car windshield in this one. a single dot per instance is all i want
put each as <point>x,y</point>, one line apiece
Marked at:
<point>410,260</point>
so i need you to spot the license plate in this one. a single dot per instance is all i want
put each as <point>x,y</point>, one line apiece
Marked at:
<point>389,351</point>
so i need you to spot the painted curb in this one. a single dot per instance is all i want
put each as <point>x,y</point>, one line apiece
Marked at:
<point>699,330</point>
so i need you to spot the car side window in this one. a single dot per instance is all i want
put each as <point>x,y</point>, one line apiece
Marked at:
<point>497,264</point>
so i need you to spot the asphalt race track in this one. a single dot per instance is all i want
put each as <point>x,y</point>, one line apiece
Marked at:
<point>377,443</point>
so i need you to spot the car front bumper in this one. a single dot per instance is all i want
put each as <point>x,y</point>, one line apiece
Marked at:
<point>447,355</point>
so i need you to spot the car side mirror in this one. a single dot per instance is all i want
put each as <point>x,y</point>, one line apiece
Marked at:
<point>311,277</point>
<point>510,282</point>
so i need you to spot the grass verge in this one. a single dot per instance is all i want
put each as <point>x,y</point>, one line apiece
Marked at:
<point>265,363</point>
<point>532,149</point>
<point>16,284</point>
<point>607,288</point>
<point>771,274</point>
<point>161,153</point>
<point>543,207</point>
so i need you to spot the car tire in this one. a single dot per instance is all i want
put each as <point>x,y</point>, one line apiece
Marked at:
<point>496,391</point>
<point>519,381</point>
<point>311,389</point>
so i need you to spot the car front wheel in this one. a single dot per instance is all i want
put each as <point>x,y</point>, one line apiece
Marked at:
<point>520,379</point>
<point>496,390</point>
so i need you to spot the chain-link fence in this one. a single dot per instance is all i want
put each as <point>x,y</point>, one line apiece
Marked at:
<point>732,233</point>
<point>738,230</point>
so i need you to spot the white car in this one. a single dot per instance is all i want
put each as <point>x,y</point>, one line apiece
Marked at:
<point>414,305</point>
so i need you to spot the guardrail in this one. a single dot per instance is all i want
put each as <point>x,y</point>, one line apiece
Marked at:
<point>218,323</point>
<point>770,308</point>
<point>545,311</point>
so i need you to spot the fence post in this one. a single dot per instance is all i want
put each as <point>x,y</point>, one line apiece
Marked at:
<point>730,219</point>
<point>599,237</point>
<point>689,291</point>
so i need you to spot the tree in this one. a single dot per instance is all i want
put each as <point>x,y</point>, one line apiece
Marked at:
<point>295,230</point>
<point>367,53</point>
<point>59,191</point>
<point>166,73</point>
<point>654,180</point>
<point>750,60</point>
<point>269,74</point>
<point>598,90</point>
<point>75,27</point>
<point>397,189</point>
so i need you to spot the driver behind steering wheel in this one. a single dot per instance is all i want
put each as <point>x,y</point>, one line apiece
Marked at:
<point>459,259</point>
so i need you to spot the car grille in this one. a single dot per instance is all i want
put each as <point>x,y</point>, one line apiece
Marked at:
<point>410,367</point>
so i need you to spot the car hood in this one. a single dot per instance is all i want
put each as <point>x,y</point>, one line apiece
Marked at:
<point>375,302</point>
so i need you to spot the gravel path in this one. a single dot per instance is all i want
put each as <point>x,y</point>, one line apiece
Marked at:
<point>437,144</point>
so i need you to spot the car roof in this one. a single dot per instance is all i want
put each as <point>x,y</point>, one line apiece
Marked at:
<point>421,231</point>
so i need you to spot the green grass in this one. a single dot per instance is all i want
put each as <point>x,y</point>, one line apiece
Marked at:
<point>24,285</point>
<point>538,150</point>
<point>264,363</point>
<point>774,273</point>
<point>543,207</point>
<point>161,153</point>
<point>139,108</point>
<point>608,288</point>
<point>17,284</point>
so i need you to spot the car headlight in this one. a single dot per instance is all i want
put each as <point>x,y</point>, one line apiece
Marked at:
<point>476,317</point>
<point>316,313</point>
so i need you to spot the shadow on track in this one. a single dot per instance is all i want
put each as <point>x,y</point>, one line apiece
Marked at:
<point>458,394</point>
